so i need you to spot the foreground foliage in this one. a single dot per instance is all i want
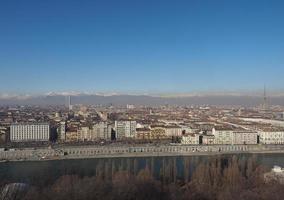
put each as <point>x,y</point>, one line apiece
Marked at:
<point>216,179</point>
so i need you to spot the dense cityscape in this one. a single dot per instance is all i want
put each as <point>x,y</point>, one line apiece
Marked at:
<point>134,132</point>
<point>131,124</point>
<point>141,100</point>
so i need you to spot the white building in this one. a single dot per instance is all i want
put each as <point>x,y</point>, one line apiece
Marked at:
<point>99,131</point>
<point>125,129</point>
<point>222,135</point>
<point>29,132</point>
<point>227,135</point>
<point>244,137</point>
<point>271,137</point>
<point>85,134</point>
<point>130,106</point>
<point>173,131</point>
<point>208,139</point>
<point>190,139</point>
<point>102,130</point>
<point>61,130</point>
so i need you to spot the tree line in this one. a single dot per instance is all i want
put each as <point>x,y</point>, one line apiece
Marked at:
<point>216,179</point>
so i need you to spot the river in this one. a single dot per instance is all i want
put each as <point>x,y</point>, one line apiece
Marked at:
<point>42,173</point>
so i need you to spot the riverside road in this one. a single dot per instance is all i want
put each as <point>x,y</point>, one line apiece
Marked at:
<point>79,152</point>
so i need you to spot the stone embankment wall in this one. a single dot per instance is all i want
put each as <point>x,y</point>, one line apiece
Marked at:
<point>68,152</point>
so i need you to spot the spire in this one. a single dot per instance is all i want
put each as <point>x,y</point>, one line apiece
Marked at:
<point>265,105</point>
<point>69,103</point>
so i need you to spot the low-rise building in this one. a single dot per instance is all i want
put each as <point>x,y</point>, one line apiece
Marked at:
<point>208,139</point>
<point>3,134</point>
<point>270,136</point>
<point>173,131</point>
<point>158,132</point>
<point>245,137</point>
<point>223,135</point>
<point>143,133</point>
<point>72,135</point>
<point>190,139</point>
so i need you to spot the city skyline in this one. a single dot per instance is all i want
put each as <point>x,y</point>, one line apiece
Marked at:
<point>135,47</point>
<point>141,99</point>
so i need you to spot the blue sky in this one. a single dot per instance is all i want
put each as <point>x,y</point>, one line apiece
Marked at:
<point>141,45</point>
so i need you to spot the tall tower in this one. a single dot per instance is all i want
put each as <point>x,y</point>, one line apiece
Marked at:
<point>265,103</point>
<point>69,103</point>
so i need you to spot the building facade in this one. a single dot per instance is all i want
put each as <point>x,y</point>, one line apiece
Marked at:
<point>271,137</point>
<point>85,134</point>
<point>125,129</point>
<point>208,139</point>
<point>158,132</point>
<point>143,133</point>
<point>29,132</point>
<point>228,136</point>
<point>61,131</point>
<point>244,137</point>
<point>190,139</point>
<point>102,131</point>
<point>222,136</point>
<point>72,135</point>
<point>173,131</point>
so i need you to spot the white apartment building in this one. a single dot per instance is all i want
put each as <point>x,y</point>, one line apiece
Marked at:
<point>102,130</point>
<point>245,137</point>
<point>84,134</point>
<point>190,139</point>
<point>29,132</point>
<point>222,135</point>
<point>61,130</point>
<point>125,129</point>
<point>99,131</point>
<point>208,139</point>
<point>226,135</point>
<point>271,137</point>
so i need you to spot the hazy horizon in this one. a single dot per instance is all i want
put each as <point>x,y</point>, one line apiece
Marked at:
<point>259,92</point>
<point>232,99</point>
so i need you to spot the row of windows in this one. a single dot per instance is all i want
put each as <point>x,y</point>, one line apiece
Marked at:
<point>136,150</point>
<point>29,136</point>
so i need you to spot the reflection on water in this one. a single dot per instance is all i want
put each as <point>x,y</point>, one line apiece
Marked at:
<point>166,168</point>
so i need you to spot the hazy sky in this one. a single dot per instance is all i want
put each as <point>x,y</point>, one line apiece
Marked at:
<point>141,45</point>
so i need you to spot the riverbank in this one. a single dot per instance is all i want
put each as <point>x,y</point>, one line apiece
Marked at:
<point>44,173</point>
<point>160,155</point>
<point>86,152</point>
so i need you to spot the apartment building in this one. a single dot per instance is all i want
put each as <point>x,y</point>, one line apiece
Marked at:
<point>143,133</point>
<point>61,131</point>
<point>222,135</point>
<point>29,132</point>
<point>173,130</point>
<point>271,135</point>
<point>190,139</point>
<point>85,134</point>
<point>102,130</point>
<point>245,137</point>
<point>125,129</point>
<point>158,132</point>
